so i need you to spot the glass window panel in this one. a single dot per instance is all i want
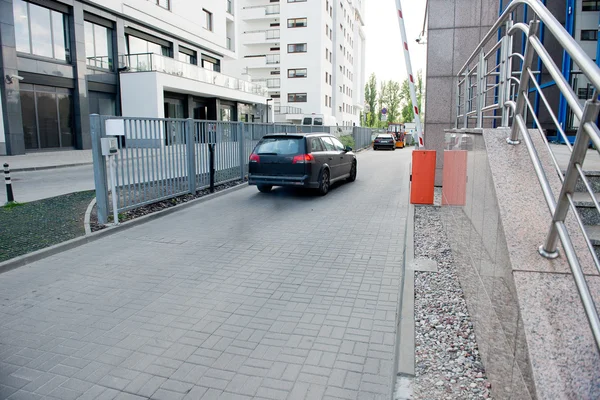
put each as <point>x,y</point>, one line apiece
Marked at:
<point>58,35</point>
<point>41,35</point>
<point>107,105</point>
<point>29,119</point>
<point>47,119</point>
<point>101,41</point>
<point>137,45</point>
<point>65,113</point>
<point>89,41</point>
<point>21,26</point>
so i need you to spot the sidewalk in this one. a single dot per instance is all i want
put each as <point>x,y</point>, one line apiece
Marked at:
<point>47,160</point>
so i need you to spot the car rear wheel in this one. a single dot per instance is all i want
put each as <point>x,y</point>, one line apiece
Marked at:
<point>264,188</point>
<point>324,183</point>
<point>394,148</point>
<point>352,176</point>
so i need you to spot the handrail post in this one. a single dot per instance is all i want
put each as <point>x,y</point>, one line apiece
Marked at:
<point>501,80</point>
<point>480,88</point>
<point>524,82</point>
<point>507,74</point>
<point>457,102</point>
<point>466,100</point>
<point>190,141</point>
<point>590,114</point>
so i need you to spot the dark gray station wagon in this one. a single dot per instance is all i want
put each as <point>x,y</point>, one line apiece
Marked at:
<point>313,160</point>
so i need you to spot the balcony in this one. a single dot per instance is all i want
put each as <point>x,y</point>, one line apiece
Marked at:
<point>287,110</point>
<point>262,61</point>
<point>261,12</point>
<point>260,37</point>
<point>273,83</point>
<point>149,62</point>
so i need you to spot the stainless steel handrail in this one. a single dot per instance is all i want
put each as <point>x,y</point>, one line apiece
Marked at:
<point>515,106</point>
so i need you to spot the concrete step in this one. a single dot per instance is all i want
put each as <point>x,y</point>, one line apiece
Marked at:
<point>594,179</point>
<point>586,209</point>
<point>584,199</point>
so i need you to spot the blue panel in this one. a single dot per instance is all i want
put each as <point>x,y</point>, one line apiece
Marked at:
<point>566,64</point>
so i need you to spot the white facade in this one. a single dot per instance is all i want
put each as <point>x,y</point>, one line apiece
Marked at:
<point>326,74</point>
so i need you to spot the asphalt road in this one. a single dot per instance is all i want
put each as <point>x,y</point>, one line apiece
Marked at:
<point>285,295</point>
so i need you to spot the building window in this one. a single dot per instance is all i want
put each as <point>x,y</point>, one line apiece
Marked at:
<point>331,11</point>
<point>297,73</point>
<point>208,20</point>
<point>330,57</point>
<point>296,97</point>
<point>297,23</point>
<point>166,4</point>
<point>41,31</point>
<point>326,5</point>
<point>98,46</point>
<point>187,55</point>
<point>211,63</point>
<point>276,72</point>
<point>297,48</point>
<point>47,116</point>
<point>326,76</point>
<point>590,34</point>
<point>590,5</point>
<point>138,46</point>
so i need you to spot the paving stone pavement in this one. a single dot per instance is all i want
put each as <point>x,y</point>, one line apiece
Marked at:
<point>277,296</point>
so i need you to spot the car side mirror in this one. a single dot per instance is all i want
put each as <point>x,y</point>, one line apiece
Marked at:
<point>347,149</point>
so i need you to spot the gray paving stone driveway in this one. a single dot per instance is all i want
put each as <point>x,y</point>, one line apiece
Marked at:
<point>277,296</point>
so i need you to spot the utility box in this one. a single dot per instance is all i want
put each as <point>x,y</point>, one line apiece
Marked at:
<point>109,145</point>
<point>423,177</point>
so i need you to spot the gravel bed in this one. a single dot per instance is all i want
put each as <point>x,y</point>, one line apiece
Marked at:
<point>161,205</point>
<point>28,227</point>
<point>448,364</point>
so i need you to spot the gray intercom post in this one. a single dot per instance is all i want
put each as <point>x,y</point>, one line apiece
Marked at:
<point>110,149</point>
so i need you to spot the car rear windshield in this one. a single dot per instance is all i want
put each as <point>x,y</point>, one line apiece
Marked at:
<point>384,137</point>
<point>280,146</point>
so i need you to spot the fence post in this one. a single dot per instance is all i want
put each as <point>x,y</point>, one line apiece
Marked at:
<point>523,85</point>
<point>211,166</point>
<point>241,138</point>
<point>99,169</point>
<point>190,140</point>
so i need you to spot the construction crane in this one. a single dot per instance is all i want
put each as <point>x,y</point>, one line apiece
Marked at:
<point>411,80</point>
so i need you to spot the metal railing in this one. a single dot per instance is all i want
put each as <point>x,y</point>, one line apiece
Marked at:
<point>271,83</point>
<point>511,78</point>
<point>272,9</point>
<point>287,110</point>
<point>153,62</point>
<point>161,158</point>
<point>100,62</point>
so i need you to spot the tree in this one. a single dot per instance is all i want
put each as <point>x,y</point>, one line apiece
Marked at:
<point>381,97</point>
<point>393,99</point>
<point>407,106</point>
<point>371,99</point>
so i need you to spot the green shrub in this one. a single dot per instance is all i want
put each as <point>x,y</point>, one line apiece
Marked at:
<point>347,140</point>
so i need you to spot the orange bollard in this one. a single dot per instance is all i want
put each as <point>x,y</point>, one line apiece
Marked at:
<point>423,177</point>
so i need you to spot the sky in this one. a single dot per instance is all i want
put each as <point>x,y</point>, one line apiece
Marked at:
<point>384,53</point>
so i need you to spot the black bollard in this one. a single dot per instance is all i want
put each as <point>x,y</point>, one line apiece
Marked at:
<point>211,167</point>
<point>9,192</point>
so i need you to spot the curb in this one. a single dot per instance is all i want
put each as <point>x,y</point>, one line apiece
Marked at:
<point>27,169</point>
<point>88,214</point>
<point>92,237</point>
<point>404,362</point>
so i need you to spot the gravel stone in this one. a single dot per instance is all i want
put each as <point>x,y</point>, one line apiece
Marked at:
<point>448,364</point>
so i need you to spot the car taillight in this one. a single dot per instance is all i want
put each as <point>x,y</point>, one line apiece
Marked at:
<point>303,158</point>
<point>254,158</point>
<point>377,140</point>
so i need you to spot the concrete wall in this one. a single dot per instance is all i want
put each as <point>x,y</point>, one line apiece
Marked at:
<point>533,335</point>
<point>455,28</point>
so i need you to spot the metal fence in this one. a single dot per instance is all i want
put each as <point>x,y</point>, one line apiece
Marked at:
<point>162,158</point>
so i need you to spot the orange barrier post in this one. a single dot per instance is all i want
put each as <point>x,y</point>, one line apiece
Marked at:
<point>423,177</point>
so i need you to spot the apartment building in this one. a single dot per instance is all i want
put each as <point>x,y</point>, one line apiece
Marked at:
<point>309,54</point>
<point>63,60</point>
